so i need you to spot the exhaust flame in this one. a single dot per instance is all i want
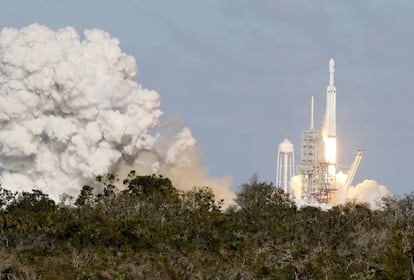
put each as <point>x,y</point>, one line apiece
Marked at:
<point>330,153</point>
<point>340,178</point>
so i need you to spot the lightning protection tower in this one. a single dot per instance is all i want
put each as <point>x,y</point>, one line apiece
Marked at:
<point>285,165</point>
<point>310,168</point>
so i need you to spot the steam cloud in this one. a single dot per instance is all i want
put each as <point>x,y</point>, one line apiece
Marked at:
<point>71,109</point>
<point>368,191</point>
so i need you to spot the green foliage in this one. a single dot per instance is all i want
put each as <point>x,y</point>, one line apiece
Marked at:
<point>34,201</point>
<point>86,197</point>
<point>150,230</point>
<point>149,187</point>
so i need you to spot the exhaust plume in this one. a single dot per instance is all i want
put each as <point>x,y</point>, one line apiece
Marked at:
<point>368,191</point>
<point>71,109</point>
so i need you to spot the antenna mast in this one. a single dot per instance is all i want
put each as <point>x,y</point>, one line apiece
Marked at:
<point>312,113</point>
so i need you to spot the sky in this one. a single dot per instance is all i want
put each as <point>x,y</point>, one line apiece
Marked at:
<point>241,73</point>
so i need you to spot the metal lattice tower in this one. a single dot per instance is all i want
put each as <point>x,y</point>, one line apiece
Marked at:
<point>309,167</point>
<point>327,184</point>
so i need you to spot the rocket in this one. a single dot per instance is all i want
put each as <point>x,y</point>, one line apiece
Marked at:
<point>329,137</point>
<point>330,124</point>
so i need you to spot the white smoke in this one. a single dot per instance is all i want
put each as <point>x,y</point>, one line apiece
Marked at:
<point>296,186</point>
<point>71,109</point>
<point>369,191</point>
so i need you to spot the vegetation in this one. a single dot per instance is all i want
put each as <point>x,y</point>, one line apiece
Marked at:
<point>151,230</point>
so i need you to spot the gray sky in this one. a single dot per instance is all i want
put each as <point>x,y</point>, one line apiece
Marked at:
<point>240,73</point>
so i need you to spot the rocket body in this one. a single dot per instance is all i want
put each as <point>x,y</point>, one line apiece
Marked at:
<point>330,126</point>
<point>329,133</point>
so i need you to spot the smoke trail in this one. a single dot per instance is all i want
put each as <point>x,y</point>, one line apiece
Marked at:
<point>71,109</point>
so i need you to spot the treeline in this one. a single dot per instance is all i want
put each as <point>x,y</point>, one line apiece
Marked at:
<point>151,230</point>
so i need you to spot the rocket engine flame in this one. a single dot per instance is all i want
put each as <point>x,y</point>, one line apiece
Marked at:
<point>330,153</point>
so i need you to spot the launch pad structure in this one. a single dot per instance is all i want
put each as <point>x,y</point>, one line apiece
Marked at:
<point>317,168</point>
<point>317,183</point>
<point>318,164</point>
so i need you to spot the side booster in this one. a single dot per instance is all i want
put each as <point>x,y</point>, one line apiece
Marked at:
<point>331,102</point>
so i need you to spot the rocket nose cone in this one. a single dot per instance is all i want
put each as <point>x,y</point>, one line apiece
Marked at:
<point>331,65</point>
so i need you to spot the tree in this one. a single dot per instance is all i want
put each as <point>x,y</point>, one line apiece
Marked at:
<point>86,197</point>
<point>260,203</point>
<point>32,201</point>
<point>149,187</point>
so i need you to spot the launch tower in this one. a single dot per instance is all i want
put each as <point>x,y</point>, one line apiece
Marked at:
<point>318,163</point>
<point>318,154</point>
<point>310,158</point>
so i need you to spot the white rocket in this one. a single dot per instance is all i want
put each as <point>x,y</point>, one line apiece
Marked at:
<point>331,102</point>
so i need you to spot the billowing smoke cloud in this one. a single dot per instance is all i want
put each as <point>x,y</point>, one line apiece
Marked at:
<point>369,191</point>
<point>71,109</point>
